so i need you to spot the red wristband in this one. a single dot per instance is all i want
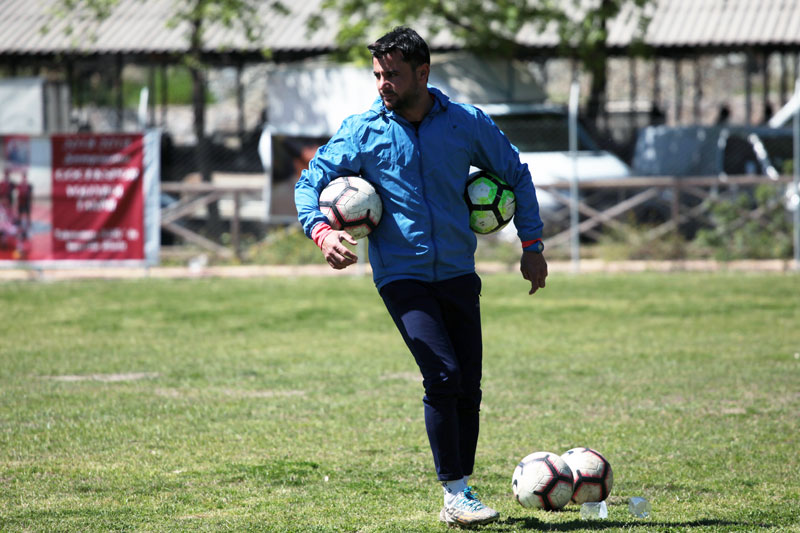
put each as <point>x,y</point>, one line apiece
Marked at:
<point>320,231</point>
<point>525,244</point>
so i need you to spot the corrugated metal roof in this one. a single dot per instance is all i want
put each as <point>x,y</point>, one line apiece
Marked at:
<point>139,26</point>
<point>722,23</point>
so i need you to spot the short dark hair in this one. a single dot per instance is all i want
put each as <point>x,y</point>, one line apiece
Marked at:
<point>413,47</point>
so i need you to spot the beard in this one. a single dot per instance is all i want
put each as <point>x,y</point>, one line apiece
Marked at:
<point>399,102</point>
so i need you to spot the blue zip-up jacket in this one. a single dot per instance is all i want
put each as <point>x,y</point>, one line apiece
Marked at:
<point>420,175</point>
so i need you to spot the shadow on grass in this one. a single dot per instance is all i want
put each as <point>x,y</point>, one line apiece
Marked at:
<point>529,522</point>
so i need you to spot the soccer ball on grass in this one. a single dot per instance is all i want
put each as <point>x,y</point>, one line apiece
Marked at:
<point>490,200</point>
<point>592,475</point>
<point>351,203</point>
<point>542,480</point>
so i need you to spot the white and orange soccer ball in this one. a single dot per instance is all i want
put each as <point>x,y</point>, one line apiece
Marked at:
<point>591,473</point>
<point>542,480</point>
<point>351,203</point>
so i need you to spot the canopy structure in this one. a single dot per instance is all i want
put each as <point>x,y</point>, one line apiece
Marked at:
<point>140,28</point>
<point>150,32</point>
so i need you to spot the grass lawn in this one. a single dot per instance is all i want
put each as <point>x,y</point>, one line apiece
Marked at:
<point>292,404</point>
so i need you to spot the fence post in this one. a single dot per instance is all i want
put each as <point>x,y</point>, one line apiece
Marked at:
<point>795,198</point>
<point>574,94</point>
<point>235,224</point>
<point>676,204</point>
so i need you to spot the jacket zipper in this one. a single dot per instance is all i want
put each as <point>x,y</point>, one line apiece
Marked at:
<point>427,204</point>
<point>405,123</point>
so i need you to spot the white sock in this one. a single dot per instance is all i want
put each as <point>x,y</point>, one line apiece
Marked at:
<point>452,489</point>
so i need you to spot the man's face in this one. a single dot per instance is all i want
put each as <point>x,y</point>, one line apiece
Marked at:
<point>399,85</point>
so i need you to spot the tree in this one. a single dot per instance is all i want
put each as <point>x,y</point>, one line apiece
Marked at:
<point>495,27</point>
<point>197,15</point>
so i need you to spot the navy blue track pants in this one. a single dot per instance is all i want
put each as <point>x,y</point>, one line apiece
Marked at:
<point>441,324</point>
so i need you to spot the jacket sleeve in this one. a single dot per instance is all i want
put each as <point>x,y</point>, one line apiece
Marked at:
<point>339,157</point>
<point>495,153</point>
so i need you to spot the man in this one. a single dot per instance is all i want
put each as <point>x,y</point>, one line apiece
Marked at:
<point>416,147</point>
<point>7,190</point>
<point>24,197</point>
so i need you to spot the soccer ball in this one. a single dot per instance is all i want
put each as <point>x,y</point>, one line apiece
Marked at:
<point>542,480</point>
<point>490,200</point>
<point>592,475</point>
<point>352,204</point>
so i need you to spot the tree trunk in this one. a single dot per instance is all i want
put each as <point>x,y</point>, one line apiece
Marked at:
<point>213,226</point>
<point>597,95</point>
<point>597,65</point>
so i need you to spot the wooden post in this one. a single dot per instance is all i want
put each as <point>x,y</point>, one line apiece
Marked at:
<point>656,82</point>
<point>235,224</point>
<point>240,101</point>
<point>118,89</point>
<point>765,105</point>
<point>676,204</point>
<point>678,92</point>
<point>70,75</point>
<point>151,98</point>
<point>632,116</point>
<point>748,89</point>
<point>784,80</point>
<point>164,99</point>
<point>698,91</point>
<point>542,64</point>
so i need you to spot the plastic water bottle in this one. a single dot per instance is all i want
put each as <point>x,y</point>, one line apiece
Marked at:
<point>639,507</point>
<point>594,510</point>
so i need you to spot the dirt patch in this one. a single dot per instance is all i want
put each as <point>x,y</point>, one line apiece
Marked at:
<point>255,271</point>
<point>106,378</point>
<point>233,393</point>
<point>416,377</point>
<point>263,393</point>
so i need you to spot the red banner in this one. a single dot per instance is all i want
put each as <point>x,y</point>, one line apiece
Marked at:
<point>98,202</point>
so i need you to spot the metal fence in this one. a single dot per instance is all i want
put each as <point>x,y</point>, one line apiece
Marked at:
<point>651,206</point>
<point>217,197</point>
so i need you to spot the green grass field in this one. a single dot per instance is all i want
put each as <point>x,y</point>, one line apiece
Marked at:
<point>292,404</point>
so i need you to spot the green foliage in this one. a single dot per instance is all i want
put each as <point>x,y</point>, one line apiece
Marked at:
<point>750,224</point>
<point>285,246</point>
<point>734,235</point>
<point>179,88</point>
<point>292,404</point>
<point>493,249</point>
<point>290,246</point>
<point>635,244</point>
<point>75,10</point>
<point>241,15</point>
<point>484,27</point>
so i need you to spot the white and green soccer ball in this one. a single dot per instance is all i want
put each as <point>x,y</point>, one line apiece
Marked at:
<point>542,480</point>
<point>490,200</point>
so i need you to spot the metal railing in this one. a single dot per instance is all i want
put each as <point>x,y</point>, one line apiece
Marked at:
<point>682,199</point>
<point>671,192</point>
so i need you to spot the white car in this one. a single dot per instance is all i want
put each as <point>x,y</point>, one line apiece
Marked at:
<point>541,134</point>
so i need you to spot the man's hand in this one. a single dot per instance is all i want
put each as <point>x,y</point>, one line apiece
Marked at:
<point>534,269</point>
<point>337,254</point>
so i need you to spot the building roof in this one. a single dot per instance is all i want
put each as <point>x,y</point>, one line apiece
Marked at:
<point>139,27</point>
<point>713,24</point>
<point>142,27</point>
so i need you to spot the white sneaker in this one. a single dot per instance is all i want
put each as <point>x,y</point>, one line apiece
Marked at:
<point>467,510</point>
